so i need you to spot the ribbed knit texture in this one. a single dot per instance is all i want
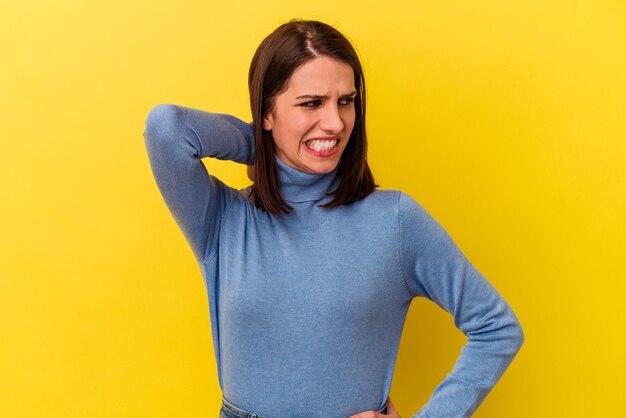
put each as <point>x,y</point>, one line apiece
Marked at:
<point>307,309</point>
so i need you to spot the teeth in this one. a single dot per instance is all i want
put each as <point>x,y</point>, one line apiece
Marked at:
<point>319,145</point>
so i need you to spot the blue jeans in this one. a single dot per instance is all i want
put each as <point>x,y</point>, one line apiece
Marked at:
<point>231,411</point>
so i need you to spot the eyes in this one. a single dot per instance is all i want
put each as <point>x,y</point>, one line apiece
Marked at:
<point>316,103</point>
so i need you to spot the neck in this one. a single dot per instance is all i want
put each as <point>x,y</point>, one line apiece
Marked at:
<point>298,186</point>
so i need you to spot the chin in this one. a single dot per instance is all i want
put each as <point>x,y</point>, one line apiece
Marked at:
<point>323,168</point>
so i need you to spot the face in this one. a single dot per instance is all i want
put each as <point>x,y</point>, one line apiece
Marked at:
<point>312,120</point>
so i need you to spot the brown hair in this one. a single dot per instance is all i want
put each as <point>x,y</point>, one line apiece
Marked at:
<point>280,54</point>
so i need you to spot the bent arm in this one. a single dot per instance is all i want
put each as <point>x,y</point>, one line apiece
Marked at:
<point>176,139</point>
<point>436,268</point>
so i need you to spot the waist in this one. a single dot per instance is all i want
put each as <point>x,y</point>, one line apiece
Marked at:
<point>231,411</point>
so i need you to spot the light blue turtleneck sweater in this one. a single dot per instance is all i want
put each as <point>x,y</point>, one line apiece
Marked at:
<point>307,309</point>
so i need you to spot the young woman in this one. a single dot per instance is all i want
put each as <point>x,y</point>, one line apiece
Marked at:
<point>311,270</point>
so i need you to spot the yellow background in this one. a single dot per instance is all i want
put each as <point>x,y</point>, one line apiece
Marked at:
<point>505,119</point>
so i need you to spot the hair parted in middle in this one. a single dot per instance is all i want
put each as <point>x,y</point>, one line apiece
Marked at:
<point>280,54</point>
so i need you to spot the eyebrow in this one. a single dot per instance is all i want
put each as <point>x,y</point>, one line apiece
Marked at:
<point>315,96</point>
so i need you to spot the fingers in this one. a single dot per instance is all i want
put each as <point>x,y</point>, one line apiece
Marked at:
<point>390,407</point>
<point>391,412</point>
<point>368,414</point>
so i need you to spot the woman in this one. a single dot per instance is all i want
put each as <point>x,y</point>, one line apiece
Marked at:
<point>311,270</point>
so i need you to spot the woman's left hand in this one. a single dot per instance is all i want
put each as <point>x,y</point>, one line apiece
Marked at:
<point>391,412</point>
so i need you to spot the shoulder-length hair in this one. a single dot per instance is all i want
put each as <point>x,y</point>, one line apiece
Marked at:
<point>280,54</point>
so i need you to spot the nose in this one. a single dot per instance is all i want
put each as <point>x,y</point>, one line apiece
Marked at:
<point>331,120</point>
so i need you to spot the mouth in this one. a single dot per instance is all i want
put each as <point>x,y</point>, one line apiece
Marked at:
<point>321,145</point>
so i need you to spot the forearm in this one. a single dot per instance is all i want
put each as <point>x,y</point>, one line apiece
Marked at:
<point>475,373</point>
<point>215,135</point>
<point>494,338</point>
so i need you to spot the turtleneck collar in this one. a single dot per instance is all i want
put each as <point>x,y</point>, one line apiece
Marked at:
<point>298,186</point>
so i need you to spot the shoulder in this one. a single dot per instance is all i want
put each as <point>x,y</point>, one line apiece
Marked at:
<point>412,216</point>
<point>383,206</point>
<point>419,228</point>
<point>385,198</point>
<point>396,200</point>
<point>392,202</point>
<point>408,206</point>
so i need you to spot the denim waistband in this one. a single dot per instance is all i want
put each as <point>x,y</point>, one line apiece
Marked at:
<point>231,409</point>
<point>236,412</point>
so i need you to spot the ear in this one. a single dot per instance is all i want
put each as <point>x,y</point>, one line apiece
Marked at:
<point>268,122</point>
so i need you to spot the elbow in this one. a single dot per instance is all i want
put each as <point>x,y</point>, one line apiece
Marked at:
<point>519,337</point>
<point>516,335</point>
<point>161,122</point>
<point>509,335</point>
<point>512,330</point>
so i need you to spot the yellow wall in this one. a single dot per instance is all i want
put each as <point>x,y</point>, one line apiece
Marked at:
<point>506,120</point>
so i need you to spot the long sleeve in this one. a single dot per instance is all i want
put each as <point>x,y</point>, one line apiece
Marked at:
<point>435,268</point>
<point>176,139</point>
